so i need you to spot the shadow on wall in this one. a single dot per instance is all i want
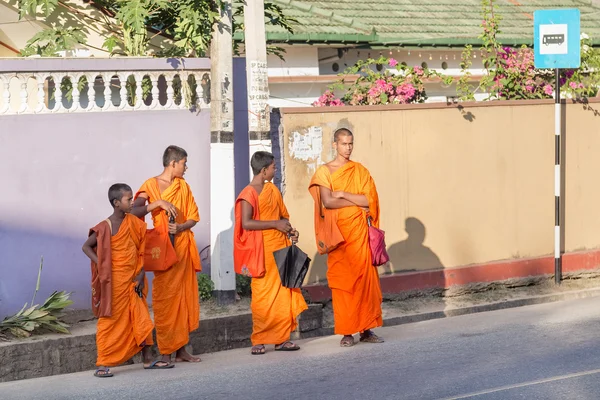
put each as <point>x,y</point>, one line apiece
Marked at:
<point>411,254</point>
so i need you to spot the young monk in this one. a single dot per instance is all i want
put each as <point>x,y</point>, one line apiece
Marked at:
<point>175,291</point>
<point>348,194</point>
<point>116,248</point>
<point>259,208</point>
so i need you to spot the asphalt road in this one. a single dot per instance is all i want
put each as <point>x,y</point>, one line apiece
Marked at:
<point>549,351</point>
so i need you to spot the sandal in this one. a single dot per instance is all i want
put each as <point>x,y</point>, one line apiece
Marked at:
<point>103,373</point>
<point>347,341</point>
<point>258,350</point>
<point>153,365</point>
<point>287,346</point>
<point>370,337</point>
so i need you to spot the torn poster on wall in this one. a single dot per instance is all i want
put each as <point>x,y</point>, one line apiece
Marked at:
<point>307,146</point>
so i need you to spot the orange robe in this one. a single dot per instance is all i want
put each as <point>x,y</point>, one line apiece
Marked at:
<point>175,291</point>
<point>123,334</point>
<point>275,308</point>
<point>354,282</point>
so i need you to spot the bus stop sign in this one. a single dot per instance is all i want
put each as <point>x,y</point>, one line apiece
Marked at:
<point>556,38</point>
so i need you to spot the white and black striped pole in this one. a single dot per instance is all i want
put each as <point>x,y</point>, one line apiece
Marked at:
<point>557,180</point>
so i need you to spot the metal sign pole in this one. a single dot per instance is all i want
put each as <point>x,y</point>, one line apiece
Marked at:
<point>557,180</point>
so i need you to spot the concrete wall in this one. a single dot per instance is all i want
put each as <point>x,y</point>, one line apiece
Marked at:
<point>57,170</point>
<point>458,186</point>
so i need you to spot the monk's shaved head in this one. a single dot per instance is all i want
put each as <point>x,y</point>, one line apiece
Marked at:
<point>117,191</point>
<point>173,153</point>
<point>341,132</point>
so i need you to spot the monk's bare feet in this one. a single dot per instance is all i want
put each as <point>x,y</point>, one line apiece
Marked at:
<point>147,355</point>
<point>287,346</point>
<point>347,341</point>
<point>369,337</point>
<point>258,349</point>
<point>163,363</point>
<point>184,356</point>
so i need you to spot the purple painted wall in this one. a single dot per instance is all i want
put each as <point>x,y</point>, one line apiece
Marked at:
<point>57,170</point>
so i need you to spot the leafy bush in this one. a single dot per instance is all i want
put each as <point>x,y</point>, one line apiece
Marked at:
<point>205,286</point>
<point>242,285</point>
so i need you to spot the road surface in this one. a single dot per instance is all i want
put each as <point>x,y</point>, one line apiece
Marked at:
<point>549,351</point>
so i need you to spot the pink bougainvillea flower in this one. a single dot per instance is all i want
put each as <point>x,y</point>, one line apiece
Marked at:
<point>548,90</point>
<point>392,62</point>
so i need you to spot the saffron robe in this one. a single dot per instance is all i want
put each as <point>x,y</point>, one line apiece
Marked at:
<point>354,282</point>
<point>128,328</point>
<point>275,308</point>
<point>175,299</point>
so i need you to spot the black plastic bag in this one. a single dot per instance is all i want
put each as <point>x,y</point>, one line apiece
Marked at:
<point>293,265</point>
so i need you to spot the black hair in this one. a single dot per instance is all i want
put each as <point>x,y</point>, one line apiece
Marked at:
<point>260,160</point>
<point>173,153</point>
<point>342,132</point>
<point>116,192</point>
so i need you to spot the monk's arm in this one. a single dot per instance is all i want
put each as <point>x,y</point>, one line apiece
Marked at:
<point>331,202</point>
<point>88,247</point>
<point>140,209</point>
<point>358,199</point>
<point>177,228</point>
<point>250,224</point>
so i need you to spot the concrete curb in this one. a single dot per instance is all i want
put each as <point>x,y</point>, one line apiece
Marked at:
<point>528,301</point>
<point>58,354</point>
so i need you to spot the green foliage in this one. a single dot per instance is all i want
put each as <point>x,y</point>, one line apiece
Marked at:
<point>30,7</point>
<point>243,285</point>
<point>34,318</point>
<point>205,286</point>
<point>378,84</point>
<point>189,23</point>
<point>49,42</point>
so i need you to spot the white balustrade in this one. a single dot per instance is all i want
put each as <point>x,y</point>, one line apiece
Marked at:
<point>49,92</point>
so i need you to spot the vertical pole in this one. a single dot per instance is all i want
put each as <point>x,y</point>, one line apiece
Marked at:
<point>257,76</point>
<point>557,180</point>
<point>222,177</point>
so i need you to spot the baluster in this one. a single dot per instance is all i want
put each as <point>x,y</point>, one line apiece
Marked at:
<point>58,92</point>
<point>108,104</point>
<point>170,90</point>
<point>123,91</point>
<point>154,79</point>
<point>92,94</point>
<point>41,96</point>
<point>24,106</point>
<point>5,80</point>
<point>139,93</point>
<point>75,82</point>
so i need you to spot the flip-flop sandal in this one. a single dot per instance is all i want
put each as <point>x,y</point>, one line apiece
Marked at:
<point>371,338</point>
<point>283,347</point>
<point>258,350</point>
<point>103,373</point>
<point>347,342</point>
<point>179,360</point>
<point>154,366</point>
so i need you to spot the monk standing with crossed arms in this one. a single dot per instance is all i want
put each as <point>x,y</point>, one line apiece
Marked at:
<point>345,194</point>
<point>174,291</point>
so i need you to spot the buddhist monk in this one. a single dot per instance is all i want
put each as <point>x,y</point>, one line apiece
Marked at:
<point>175,291</point>
<point>345,195</point>
<point>116,248</point>
<point>261,227</point>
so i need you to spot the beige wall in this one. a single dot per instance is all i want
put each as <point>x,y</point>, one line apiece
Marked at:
<point>457,187</point>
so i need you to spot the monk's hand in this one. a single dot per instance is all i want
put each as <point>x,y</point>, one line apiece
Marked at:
<point>174,228</point>
<point>283,225</point>
<point>294,235</point>
<point>337,195</point>
<point>168,207</point>
<point>139,281</point>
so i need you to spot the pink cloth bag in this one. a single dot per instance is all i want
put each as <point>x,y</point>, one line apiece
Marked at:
<point>379,255</point>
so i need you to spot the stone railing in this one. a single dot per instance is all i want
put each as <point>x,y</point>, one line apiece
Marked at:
<point>67,85</point>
